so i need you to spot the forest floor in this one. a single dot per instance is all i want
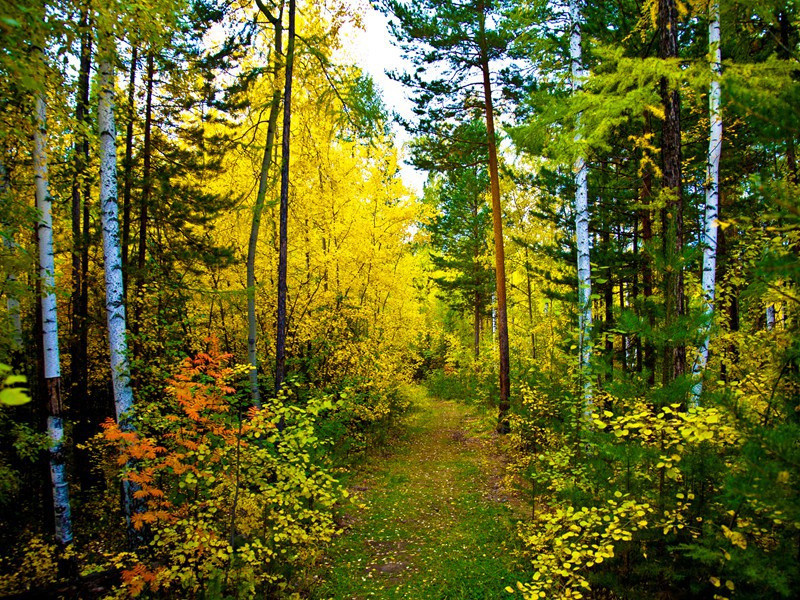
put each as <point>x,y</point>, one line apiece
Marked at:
<point>431,519</point>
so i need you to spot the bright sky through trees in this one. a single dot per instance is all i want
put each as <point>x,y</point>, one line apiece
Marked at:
<point>372,49</point>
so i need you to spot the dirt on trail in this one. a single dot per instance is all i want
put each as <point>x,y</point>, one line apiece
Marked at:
<point>431,518</point>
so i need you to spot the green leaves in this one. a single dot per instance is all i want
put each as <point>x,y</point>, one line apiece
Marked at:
<point>10,395</point>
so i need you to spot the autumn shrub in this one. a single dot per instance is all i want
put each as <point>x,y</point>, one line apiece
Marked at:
<point>233,499</point>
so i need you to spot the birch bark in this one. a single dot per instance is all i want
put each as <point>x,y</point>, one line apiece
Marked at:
<point>115,305</point>
<point>712,193</point>
<point>52,358</point>
<point>580,171</point>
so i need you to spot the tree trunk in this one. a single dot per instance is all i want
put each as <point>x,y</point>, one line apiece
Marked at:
<point>258,209</point>
<point>712,194</point>
<point>79,363</point>
<point>646,216</point>
<point>499,251</point>
<point>52,359</point>
<point>280,337</point>
<point>128,175</point>
<point>637,341</point>
<point>144,203</point>
<point>608,301</point>
<point>581,217</point>
<point>115,305</point>
<point>785,53</point>
<point>672,213</point>
<point>530,304</point>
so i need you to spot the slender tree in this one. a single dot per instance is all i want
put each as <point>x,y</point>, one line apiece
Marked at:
<point>144,201</point>
<point>712,191</point>
<point>258,208</point>
<point>115,296</point>
<point>464,39</point>
<point>52,358</point>
<point>280,336</point>
<point>580,171</point>
<point>128,167</point>
<point>79,364</point>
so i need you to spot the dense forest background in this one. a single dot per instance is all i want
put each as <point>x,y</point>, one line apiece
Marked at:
<point>218,289</point>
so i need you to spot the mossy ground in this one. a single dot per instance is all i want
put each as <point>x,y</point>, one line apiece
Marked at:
<point>431,519</point>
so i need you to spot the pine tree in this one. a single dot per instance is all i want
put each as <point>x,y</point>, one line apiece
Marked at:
<point>463,41</point>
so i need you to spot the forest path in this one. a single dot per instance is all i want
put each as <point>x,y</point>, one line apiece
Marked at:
<point>434,522</point>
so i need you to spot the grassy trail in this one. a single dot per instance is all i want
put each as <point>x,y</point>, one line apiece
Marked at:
<point>434,522</point>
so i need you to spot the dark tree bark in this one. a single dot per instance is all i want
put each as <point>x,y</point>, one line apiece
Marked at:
<point>128,171</point>
<point>645,199</point>
<point>81,197</point>
<point>280,337</point>
<point>147,190</point>
<point>263,182</point>
<point>672,213</point>
<point>608,301</point>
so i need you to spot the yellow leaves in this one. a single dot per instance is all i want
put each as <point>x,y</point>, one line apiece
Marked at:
<point>735,537</point>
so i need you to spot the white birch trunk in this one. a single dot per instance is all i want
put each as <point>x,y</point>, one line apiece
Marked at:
<point>52,359</point>
<point>109,215</point>
<point>115,293</point>
<point>580,171</point>
<point>712,194</point>
<point>770,317</point>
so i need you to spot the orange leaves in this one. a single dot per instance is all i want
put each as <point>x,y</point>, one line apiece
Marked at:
<point>138,577</point>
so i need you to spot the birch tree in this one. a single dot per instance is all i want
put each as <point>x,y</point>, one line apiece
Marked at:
<point>580,171</point>
<point>712,191</point>
<point>109,216</point>
<point>52,358</point>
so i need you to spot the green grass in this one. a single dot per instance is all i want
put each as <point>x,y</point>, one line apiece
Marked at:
<point>433,522</point>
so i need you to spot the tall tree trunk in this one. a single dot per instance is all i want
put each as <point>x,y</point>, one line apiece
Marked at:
<point>79,364</point>
<point>280,337</point>
<point>115,296</point>
<point>672,213</point>
<point>645,199</point>
<point>608,301</point>
<point>476,324</point>
<point>52,359</point>
<point>263,183</point>
<point>530,304</point>
<point>581,216</point>
<point>144,203</point>
<point>785,53</point>
<point>128,173</point>
<point>712,193</point>
<point>637,341</point>
<point>497,222</point>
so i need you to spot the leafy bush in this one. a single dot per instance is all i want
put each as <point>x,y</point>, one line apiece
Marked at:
<point>233,499</point>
